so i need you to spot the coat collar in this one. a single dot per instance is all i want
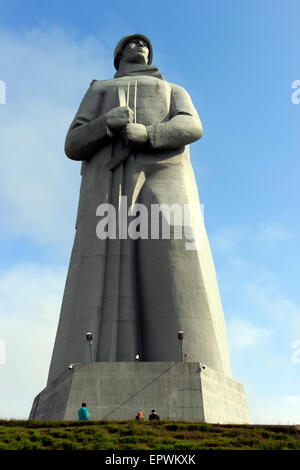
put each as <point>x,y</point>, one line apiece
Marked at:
<point>149,70</point>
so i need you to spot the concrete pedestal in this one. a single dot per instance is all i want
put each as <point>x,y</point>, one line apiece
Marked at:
<point>117,390</point>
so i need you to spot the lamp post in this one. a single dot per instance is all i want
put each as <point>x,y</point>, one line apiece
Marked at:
<point>89,338</point>
<point>180,339</point>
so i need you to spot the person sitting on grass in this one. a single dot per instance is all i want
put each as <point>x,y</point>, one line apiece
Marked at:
<point>83,414</point>
<point>154,415</point>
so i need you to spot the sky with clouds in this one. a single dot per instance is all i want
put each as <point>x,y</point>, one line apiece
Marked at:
<point>238,61</point>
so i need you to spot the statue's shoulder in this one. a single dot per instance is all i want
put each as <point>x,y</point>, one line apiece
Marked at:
<point>180,94</point>
<point>177,88</point>
<point>100,84</point>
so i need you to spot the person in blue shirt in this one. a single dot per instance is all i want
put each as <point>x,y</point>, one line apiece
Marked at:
<point>83,414</point>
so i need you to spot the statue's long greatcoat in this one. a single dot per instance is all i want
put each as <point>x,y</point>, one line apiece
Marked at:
<point>134,295</point>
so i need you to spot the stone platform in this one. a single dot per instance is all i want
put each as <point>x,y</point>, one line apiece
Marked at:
<point>117,390</point>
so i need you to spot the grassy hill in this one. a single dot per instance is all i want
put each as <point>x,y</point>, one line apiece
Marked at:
<point>124,435</point>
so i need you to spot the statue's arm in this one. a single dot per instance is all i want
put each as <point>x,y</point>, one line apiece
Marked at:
<point>183,128</point>
<point>87,133</point>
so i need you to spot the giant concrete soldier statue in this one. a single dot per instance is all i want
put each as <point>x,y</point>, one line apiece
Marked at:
<point>132,134</point>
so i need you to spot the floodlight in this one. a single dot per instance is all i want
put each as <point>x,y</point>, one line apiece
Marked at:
<point>180,336</point>
<point>89,338</point>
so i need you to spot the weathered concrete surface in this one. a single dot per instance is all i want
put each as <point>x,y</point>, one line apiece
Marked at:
<point>132,292</point>
<point>135,294</point>
<point>179,391</point>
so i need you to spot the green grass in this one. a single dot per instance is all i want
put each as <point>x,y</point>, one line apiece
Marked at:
<point>133,435</point>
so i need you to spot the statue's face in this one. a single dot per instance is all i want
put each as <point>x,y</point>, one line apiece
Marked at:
<point>136,50</point>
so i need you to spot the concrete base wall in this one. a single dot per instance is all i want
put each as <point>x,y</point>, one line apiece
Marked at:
<point>117,390</point>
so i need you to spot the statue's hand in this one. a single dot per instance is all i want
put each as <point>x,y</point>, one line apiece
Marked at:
<point>135,134</point>
<point>118,118</point>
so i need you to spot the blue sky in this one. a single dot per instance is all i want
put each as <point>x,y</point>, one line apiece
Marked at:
<point>237,59</point>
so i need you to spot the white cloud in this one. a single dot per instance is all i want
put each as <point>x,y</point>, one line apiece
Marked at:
<point>263,322</point>
<point>293,400</point>
<point>264,354</point>
<point>243,334</point>
<point>272,234</point>
<point>279,410</point>
<point>30,296</point>
<point>227,240</point>
<point>231,241</point>
<point>46,74</point>
<point>249,282</point>
<point>266,298</point>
